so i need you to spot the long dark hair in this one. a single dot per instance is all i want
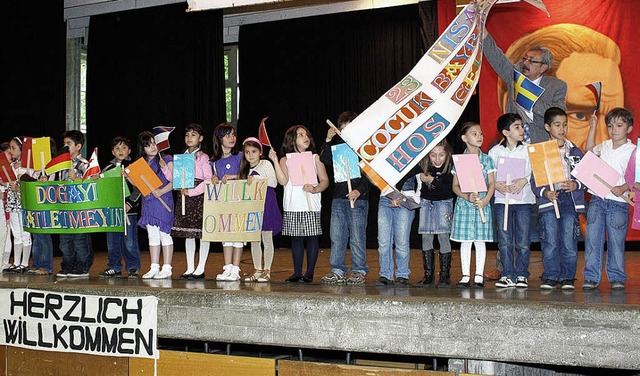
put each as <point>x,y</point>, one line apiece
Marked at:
<point>222,130</point>
<point>244,164</point>
<point>289,141</point>
<point>145,139</point>
<point>426,164</point>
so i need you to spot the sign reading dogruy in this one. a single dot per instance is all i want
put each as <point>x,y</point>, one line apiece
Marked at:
<point>88,324</point>
<point>233,211</point>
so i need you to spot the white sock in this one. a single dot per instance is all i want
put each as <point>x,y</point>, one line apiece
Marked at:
<point>268,250</point>
<point>26,252</point>
<point>256,255</point>
<point>465,258</point>
<point>481,255</point>
<point>203,255</point>
<point>190,251</point>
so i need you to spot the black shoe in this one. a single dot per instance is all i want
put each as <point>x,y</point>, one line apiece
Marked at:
<point>402,281</point>
<point>293,279</point>
<point>10,269</point>
<point>464,285</point>
<point>307,279</point>
<point>384,281</point>
<point>133,273</point>
<point>478,284</point>
<point>196,276</point>
<point>185,276</point>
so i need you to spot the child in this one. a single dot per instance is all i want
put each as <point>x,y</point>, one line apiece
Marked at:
<point>5,229</point>
<point>436,211</point>
<point>301,219</point>
<point>609,216</point>
<point>519,214</point>
<point>347,223</point>
<point>77,256</point>
<point>559,236</point>
<point>189,226</point>
<point>155,217</point>
<point>21,238</point>
<point>118,244</point>
<point>252,165</point>
<point>226,166</point>
<point>467,226</point>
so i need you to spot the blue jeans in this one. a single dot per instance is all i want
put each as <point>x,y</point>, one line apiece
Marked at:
<point>119,246</point>
<point>42,252</point>
<point>517,234</point>
<point>76,252</point>
<point>559,241</point>
<point>348,225</point>
<point>394,228</point>
<point>610,217</point>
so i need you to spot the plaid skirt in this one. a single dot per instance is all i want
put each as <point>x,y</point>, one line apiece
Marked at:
<point>301,223</point>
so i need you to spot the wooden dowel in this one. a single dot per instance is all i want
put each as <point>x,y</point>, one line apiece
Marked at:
<point>304,179</point>
<point>554,202</point>
<point>473,184</point>
<point>145,181</point>
<point>346,166</point>
<point>506,206</point>
<point>609,187</point>
<point>181,188</point>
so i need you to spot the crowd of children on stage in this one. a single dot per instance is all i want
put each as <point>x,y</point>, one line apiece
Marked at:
<point>445,212</point>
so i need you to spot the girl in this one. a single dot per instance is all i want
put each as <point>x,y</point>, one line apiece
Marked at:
<point>226,166</point>
<point>301,204</point>
<point>514,241</point>
<point>5,232</point>
<point>467,226</point>
<point>252,165</point>
<point>189,226</point>
<point>21,238</point>
<point>155,217</point>
<point>436,211</point>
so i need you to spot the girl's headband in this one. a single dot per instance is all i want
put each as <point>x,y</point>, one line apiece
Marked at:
<point>18,140</point>
<point>254,140</point>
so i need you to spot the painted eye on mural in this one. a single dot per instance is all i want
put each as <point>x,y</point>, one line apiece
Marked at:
<point>578,115</point>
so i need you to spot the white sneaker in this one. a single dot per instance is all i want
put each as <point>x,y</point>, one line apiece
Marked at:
<point>164,273</point>
<point>234,275</point>
<point>504,282</point>
<point>225,273</point>
<point>155,269</point>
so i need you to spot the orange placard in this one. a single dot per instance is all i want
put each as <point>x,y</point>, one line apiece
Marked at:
<point>548,152</point>
<point>143,176</point>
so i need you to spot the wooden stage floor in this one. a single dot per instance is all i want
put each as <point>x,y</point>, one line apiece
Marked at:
<point>282,268</point>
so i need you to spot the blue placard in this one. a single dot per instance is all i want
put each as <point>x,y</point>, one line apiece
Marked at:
<point>343,154</point>
<point>184,164</point>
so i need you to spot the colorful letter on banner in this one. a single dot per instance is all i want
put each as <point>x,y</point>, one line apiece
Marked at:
<point>233,211</point>
<point>88,324</point>
<point>62,207</point>
<point>403,125</point>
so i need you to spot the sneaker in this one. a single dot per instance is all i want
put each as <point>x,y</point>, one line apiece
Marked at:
<point>548,284</point>
<point>333,279</point>
<point>155,268</point>
<point>522,282</point>
<point>78,274</point>
<point>567,284</point>
<point>234,274</point>
<point>63,273</point>
<point>617,285</point>
<point>226,270</point>
<point>133,273</point>
<point>164,273</point>
<point>384,281</point>
<point>109,273</point>
<point>590,285</point>
<point>356,278</point>
<point>505,282</point>
<point>402,281</point>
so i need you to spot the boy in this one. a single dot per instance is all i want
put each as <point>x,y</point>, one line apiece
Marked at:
<point>77,255</point>
<point>519,212</point>
<point>119,245</point>
<point>347,223</point>
<point>609,216</point>
<point>558,236</point>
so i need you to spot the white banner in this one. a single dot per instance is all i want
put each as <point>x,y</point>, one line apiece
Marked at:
<point>88,324</point>
<point>402,126</point>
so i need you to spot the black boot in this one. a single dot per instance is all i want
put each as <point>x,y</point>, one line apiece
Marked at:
<point>428,262</point>
<point>445,268</point>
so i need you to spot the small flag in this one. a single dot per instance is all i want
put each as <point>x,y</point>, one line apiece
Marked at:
<point>262,133</point>
<point>94,167</point>
<point>525,91</point>
<point>6,171</point>
<point>59,163</point>
<point>596,89</point>
<point>161,136</point>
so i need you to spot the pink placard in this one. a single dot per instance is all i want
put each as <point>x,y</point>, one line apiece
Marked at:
<point>596,174</point>
<point>469,173</point>
<point>515,168</point>
<point>297,163</point>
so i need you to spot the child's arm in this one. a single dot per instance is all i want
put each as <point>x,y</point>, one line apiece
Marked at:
<point>619,190</point>
<point>591,138</point>
<point>203,169</point>
<point>282,173</point>
<point>166,168</point>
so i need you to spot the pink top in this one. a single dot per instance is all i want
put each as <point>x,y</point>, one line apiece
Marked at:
<point>203,172</point>
<point>630,178</point>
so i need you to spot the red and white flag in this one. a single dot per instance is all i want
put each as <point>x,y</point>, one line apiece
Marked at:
<point>161,136</point>
<point>596,89</point>
<point>94,167</point>
<point>262,133</point>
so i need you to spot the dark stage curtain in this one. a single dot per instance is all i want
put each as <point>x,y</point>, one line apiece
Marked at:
<point>304,71</point>
<point>33,66</point>
<point>150,67</point>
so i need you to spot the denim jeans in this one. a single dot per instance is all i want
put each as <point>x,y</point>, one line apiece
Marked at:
<point>350,225</point>
<point>517,234</point>
<point>394,228</point>
<point>559,241</point>
<point>119,246</point>
<point>610,218</point>
<point>42,252</point>
<point>75,252</point>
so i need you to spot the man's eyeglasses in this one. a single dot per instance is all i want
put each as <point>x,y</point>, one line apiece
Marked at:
<point>527,58</point>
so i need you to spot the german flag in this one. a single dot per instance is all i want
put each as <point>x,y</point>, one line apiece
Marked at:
<point>59,163</point>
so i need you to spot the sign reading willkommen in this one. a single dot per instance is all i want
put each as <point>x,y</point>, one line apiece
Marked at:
<point>89,324</point>
<point>233,211</point>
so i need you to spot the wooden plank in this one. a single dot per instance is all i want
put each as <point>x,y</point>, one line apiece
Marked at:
<point>36,362</point>
<point>180,363</point>
<point>297,368</point>
<point>3,360</point>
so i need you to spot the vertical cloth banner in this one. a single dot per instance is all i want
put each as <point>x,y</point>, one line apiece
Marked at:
<point>87,324</point>
<point>233,211</point>
<point>401,127</point>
